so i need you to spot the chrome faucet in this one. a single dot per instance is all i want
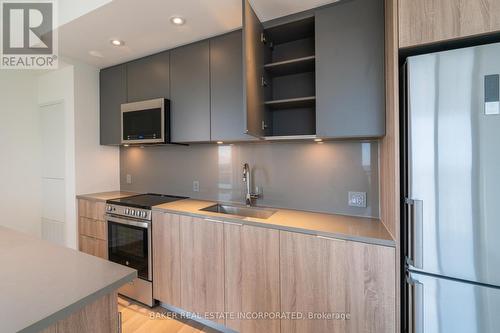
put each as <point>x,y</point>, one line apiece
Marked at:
<point>247,178</point>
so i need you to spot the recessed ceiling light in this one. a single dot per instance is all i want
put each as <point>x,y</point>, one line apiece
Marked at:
<point>318,140</point>
<point>220,142</point>
<point>117,42</point>
<point>177,20</point>
<point>125,145</point>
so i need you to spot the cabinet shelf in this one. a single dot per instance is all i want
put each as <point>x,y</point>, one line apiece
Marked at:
<point>292,103</point>
<point>293,66</point>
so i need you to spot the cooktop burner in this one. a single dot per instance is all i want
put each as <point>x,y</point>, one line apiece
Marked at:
<point>145,201</point>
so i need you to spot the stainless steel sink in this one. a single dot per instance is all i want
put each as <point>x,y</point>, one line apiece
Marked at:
<point>259,213</point>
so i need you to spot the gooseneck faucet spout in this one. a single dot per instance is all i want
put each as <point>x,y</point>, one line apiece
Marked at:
<point>247,178</point>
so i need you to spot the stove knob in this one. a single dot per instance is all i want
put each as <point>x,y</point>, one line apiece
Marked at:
<point>138,213</point>
<point>132,212</point>
<point>144,214</point>
<point>126,211</point>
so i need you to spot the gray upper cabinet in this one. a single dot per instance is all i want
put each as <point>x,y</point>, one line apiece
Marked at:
<point>149,77</point>
<point>253,71</point>
<point>190,92</point>
<point>226,88</point>
<point>113,92</point>
<point>350,99</point>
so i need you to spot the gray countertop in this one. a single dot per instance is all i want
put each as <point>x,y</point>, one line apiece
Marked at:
<point>41,283</point>
<point>103,196</point>
<point>361,229</point>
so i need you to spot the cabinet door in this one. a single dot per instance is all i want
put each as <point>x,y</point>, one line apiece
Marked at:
<point>149,77</point>
<point>253,71</point>
<point>372,288</point>
<point>112,94</point>
<point>202,266</point>
<point>430,21</point>
<point>226,88</point>
<point>252,276</point>
<point>350,98</point>
<point>313,279</point>
<point>93,246</point>
<point>93,228</point>
<point>91,209</point>
<point>166,258</point>
<point>340,278</point>
<point>190,93</point>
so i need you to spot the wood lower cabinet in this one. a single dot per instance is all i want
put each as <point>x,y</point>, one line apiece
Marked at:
<point>353,283</point>
<point>93,246</point>
<point>430,21</point>
<point>100,316</point>
<point>252,278</point>
<point>322,284</point>
<point>92,228</point>
<point>166,259</point>
<point>91,209</point>
<point>202,266</point>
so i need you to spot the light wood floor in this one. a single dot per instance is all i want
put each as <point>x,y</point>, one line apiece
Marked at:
<point>138,319</point>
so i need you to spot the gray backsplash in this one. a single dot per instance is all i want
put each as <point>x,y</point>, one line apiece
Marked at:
<point>304,175</point>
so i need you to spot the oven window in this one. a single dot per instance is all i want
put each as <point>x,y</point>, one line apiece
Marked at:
<point>142,125</point>
<point>128,245</point>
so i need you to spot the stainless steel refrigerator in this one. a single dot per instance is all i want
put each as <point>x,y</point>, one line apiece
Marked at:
<point>451,191</point>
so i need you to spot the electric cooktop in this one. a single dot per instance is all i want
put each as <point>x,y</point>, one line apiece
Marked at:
<point>145,201</point>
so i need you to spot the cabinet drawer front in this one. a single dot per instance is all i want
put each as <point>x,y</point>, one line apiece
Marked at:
<point>92,228</point>
<point>93,246</point>
<point>91,209</point>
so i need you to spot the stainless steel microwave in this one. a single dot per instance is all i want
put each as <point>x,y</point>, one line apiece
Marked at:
<point>146,122</point>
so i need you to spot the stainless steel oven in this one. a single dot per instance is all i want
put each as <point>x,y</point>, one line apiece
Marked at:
<point>129,240</point>
<point>129,244</point>
<point>146,122</point>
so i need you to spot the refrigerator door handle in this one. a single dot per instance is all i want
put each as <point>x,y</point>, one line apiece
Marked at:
<point>415,306</point>
<point>414,233</point>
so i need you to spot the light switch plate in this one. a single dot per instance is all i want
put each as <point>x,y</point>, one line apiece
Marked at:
<point>129,179</point>
<point>357,199</point>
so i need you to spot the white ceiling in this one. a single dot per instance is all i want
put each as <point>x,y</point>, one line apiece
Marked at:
<point>145,27</point>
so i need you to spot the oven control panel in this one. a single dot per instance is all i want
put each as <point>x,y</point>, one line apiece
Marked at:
<point>137,213</point>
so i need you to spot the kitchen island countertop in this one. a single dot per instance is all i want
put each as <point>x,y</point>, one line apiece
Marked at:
<point>42,283</point>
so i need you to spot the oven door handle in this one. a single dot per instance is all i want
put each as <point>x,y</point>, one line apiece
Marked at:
<point>135,223</point>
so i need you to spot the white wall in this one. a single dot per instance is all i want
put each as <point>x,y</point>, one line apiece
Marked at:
<point>28,179</point>
<point>97,167</point>
<point>20,171</point>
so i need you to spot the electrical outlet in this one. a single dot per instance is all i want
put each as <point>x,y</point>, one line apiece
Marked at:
<point>196,186</point>
<point>357,199</point>
<point>129,179</point>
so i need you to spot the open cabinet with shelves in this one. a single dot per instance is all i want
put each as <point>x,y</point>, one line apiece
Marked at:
<point>316,74</point>
<point>289,79</point>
